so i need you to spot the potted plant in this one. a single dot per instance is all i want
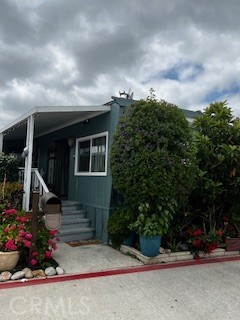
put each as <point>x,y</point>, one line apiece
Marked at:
<point>151,226</point>
<point>16,240</point>
<point>15,235</point>
<point>118,227</point>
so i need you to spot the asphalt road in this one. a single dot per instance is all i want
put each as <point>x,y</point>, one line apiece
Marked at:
<point>210,291</point>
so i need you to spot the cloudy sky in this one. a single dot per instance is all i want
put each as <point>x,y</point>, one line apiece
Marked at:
<point>82,52</point>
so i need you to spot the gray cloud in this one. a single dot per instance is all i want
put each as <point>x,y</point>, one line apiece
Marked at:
<point>81,52</point>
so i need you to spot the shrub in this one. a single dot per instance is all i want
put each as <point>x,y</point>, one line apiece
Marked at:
<point>9,167</point>
<point>152,160</point>
<point>118,224</point>
<point>218,155</point>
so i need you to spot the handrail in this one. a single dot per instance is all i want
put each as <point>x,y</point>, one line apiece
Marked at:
<point>37,182</point>
<point>42,182</point>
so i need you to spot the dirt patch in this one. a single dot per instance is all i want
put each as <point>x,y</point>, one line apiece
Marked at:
<point>83,242</point>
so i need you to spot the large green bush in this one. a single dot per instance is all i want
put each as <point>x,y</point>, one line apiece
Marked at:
<point>218,154</point>
<point>152,157</point>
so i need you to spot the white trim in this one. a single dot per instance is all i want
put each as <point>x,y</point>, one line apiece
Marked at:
<point>28,162</point>
<point>91,137</point>
<point>53,109</point>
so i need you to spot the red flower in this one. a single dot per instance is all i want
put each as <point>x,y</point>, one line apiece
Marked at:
<point>50,242</point>
<point>10,211</point>
<point>197,243</point>
<point>13,247</point>
<point>24,219</point>
<point>197,232</point>
<point>48,254</point>
<point>27,244</point>
<point>57,239</point>
<point>22,233</point>
<point>33,262</point>
<point>34,253</point>
<point>53,232</point>
<point>13,227</point>
<point>6,230</point>
<point>28,236</point>
<point>219,233</point>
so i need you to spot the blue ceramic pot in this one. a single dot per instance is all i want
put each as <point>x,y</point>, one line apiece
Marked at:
<point>150,246</point>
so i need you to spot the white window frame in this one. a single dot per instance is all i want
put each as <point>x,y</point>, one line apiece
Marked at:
<point>89,173</point>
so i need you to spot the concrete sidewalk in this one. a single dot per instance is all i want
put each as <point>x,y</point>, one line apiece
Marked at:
<point>92,257</point>
<point>210,291</point>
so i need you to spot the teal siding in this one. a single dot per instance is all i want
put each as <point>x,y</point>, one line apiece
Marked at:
<point>93,192</point>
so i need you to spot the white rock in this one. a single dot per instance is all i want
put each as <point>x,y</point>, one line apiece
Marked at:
<point>60,270</point>
<point>50,271</point>
<point>5,276</point>
<point>161,250</point>
<point>18,275</point>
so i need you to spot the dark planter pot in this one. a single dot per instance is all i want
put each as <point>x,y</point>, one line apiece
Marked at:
<point>232,244</point>
<point>150,246</point>
<point>130,240</point>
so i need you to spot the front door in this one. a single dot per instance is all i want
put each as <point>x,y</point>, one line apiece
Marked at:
<point>58,164</point>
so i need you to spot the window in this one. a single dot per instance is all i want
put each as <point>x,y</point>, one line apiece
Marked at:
<point>91,155</point>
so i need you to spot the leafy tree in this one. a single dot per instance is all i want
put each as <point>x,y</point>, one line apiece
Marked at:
<point>218,154</point>
<point>152,157</point>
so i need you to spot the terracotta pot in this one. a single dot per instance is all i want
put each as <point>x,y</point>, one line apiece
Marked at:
<point>232,244</point>
<point>8,260</point>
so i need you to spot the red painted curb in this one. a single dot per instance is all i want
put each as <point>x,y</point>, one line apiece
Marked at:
<point>96,274</point>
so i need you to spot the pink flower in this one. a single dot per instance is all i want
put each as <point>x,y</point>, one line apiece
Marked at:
<point>13,227</point>
<point>57,239</point>
<point>6,230</point>
<point>9,244</point>
<point>53,232</point>
<point>34,253</point>
<point>28,236</point>
<point>22,233</point>
<point>13,247</point>
<point>22,226</point>
<point>28,244</point>
<point>33,262</point>
<point>48,254</point>
<point>10,211</point>
<point>24,219</point>
<point>50,242</point>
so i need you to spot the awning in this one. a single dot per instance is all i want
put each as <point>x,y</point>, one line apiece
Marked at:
<point>50,119</point>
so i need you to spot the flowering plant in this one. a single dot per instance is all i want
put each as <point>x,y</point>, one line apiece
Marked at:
<point>14,230</point>
<point>15,234</point>
<point>45,244</point>
<point>199,240</point>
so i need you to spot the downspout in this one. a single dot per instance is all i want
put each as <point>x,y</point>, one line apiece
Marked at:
<point>28,162</point>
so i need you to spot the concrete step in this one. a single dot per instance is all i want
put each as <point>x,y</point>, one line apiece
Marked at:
<point>76,223</point>
<point>68,218</point>
<point>75,234</point>
<point>68,210</point>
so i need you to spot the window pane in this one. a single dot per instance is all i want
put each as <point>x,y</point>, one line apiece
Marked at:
<point>98,153</point>
<point>84,156</point>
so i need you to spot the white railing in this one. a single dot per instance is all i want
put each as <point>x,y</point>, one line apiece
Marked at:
<point>37,182</point>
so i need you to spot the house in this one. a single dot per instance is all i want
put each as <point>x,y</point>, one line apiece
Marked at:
<point>68,149</point>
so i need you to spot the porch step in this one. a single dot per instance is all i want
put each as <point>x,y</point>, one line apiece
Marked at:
<point>75,226</point>
<point>75,223</point>
<point>76,234</point>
